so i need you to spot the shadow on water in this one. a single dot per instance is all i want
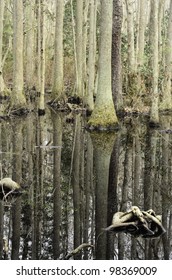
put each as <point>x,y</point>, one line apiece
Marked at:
<point>73,182</point>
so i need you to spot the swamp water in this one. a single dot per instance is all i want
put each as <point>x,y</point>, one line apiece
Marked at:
<point>74,181</point>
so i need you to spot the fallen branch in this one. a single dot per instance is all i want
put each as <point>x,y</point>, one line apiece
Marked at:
<point>78,249</point>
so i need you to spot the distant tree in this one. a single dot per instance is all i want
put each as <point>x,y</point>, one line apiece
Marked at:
<point>18,97</point>
<point>104,114</point>
<point>58,82</point>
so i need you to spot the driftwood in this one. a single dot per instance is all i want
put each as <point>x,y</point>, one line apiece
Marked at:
<point>7,187</point>
<point>137,223</point>
<point>78,249</point>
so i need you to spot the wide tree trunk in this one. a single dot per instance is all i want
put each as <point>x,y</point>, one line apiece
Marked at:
<point>104,114</point>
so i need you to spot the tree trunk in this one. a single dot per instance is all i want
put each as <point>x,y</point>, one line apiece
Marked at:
<point>58,82</point>
<point>2,86</point>
<point>141,34</point>
<point>30,54</point>
<point>79,47</point>
<point>116,55</point>
<point>91,56</point>
<point>41,109</point>
<point>104,115</point>
<point>130,33</point>
<point>18,98</point>
<point>154,114</point>
<point>166,97</point>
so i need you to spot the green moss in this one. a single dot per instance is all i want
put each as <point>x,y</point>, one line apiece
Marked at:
<point>104,141</point>
<point>103,118</point>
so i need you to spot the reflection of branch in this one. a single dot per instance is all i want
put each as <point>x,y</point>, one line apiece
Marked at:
<point>78,249</point>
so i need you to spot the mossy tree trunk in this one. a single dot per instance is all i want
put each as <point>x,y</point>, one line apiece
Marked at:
<point>58,82</point>
<point>104,114</point>
<point>18,97</point>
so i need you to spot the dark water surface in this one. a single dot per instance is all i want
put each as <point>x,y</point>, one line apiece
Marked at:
<point>73,182</point>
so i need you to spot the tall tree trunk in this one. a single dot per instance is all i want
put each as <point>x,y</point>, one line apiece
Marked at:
<point>58,81</point>
<point>130,33</point>
<point>91,56</point>
<point>141,34</point>
<point>2,86</point>
<point>79,48</point>
<point>104,114</point>
<point>154,114</point>
<point>18,98</point>
<point>41,109</point>
<point>30,54</point>
<point>166,97</point>
<point>116,55</point>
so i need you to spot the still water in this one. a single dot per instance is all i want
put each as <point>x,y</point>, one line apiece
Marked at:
<point>73,182</point>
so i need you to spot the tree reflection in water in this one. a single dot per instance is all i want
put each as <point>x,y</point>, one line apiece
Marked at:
<point>74,181</point>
